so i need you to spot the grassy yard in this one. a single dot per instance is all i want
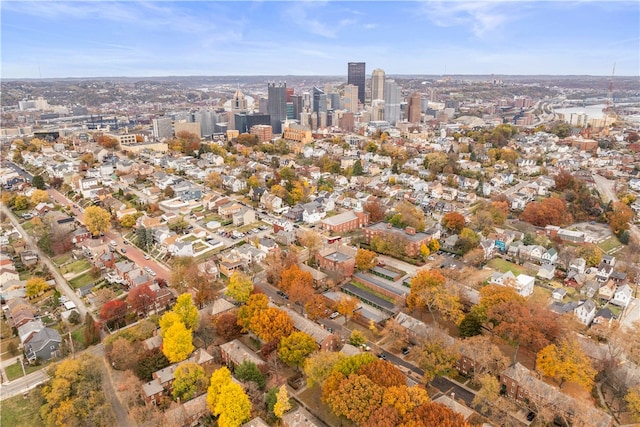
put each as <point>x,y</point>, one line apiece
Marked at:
<point>76,267</point>
<point>28,226</point>
<point>541,295</point>
<point>371,291</point>
<point>609,244</point>
<point>61,259</point>
<point>15,371</point>
<point>4,347</point>
<point>20,411</point>
<point>83,279</point>
<point>78,337</point>
<point>503,266</point>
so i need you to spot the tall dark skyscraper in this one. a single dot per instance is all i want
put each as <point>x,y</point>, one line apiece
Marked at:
<point>277,105</point>
<point>356,76</point>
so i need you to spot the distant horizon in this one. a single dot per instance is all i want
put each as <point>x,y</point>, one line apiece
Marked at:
<point>157,38</point>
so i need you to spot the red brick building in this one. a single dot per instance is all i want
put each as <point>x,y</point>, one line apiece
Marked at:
<point>346,221</point>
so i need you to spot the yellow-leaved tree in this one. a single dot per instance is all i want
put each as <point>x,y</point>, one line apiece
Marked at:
<point>177,342</point>
<point>187,311</point>
<point>240,287</point>
<point>97,220</point>
<point>227,400</point>
<point>566,362</point>
<point>283,403</point>
<point>35,286</point>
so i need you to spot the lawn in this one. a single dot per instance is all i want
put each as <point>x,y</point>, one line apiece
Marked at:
<point>61,259</point>
<point>78,337</point>
<point>541,295</point>
<point>83,279</point>
<point>28,226</point>
<point>4,347</point>
<point>503,266</point>
<point>76,267</point>
<point>609,244</point>
<point>20,411</point>
<point>15,371</point>
<point>371,291</point>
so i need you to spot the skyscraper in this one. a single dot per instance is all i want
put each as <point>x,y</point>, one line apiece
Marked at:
<point>162,128</point>
<point>356,76</point>
<point>392,100</point>
<point>277,105</point>
<point>377,84</point>
<point>351,98</point>
<point>414,108</point>
<point>319,101</point>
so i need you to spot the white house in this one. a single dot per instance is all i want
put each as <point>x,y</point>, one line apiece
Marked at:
<point>585,312</point>
<point>622,296</point>
<point>180,248</point>
<point>550,256</point>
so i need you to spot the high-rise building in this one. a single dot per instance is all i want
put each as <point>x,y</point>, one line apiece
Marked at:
<point>162,128</point>
<point>392,101</point>
<point>414,108</point>
<point>297,102</point>
<point>239,105</point>
<point>351,98</point>
<point>277,105</point>
<point>356,76</point>
<point>319,101</point>
<point>377,84</point>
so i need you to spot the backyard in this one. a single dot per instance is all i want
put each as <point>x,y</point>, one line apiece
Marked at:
<point>84,279</point>
<point>75,267</point>
<point>610,245</point>
<point>503,266</point>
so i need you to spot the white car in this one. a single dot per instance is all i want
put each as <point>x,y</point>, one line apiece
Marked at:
<point>146,256</point>
<point>334,315</point>
<point>113,243</point>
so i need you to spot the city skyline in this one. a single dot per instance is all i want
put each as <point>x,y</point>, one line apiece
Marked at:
<point>135,39</point>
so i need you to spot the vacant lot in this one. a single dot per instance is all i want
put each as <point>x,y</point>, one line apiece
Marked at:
<point>20,411</point>
<point>503,266</point>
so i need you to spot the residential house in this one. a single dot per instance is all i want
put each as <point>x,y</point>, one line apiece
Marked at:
<point>590,288</point>
<point>235,352</point>
<point>181,248</point>
<point>558,294</point>
<point>319,278</point>
<point>622,296</point>
<point>300,417</point>
<point>324,339</point>
<point>546,271</point>
<point>244,216</point>
<point>585,312</point>
<point>187,414</point>
<point>43,345</point>
<point>523,284</point>
<point>230,262</point>
<point>338,259</point>
<point>228,209</point>
<point>550,256</point>
<point>487,246</point>
<point>266,245</point>
<point>604,272</point>
<point>604,316</point>
<point>250,253</point>
<point>607,291</point>
<point>312,213</point>
<point>578,265</point>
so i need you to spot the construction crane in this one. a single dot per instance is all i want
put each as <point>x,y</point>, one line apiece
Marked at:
<point>609,103</point>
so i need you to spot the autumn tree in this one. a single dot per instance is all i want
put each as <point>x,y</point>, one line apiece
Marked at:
<point>226,326</point>
<point>453,221</point>
<point>436,360</point>
<point>227,400</point>
<point>310,240</point>
<point>39,196</point>
<point>632,398</point>
<point>435,414</point>
<point>550,211</point>
<point>294,349</point>
<point>128,221</point>
<point>408,215</point>
<point>485,354</point>
<point>113,312</point>
<point>75,394</point>
<point>357,338</point>
<point>352,364</point>
<point>240,287</point>
<point>619,218</point>
<point>91,331</point>
<point>316,307</point>
<point>474,257</point>
<point>167,320</point>
<point>365,259</point>
<point>35,286</point>
<point>297,283</point>
<point>189,381</point>
<point>283,403</point>
<point>187,312</point>
<point>97,220</point>
<point>255,304</point>
<point>468,240</point>
<point>428,290</point>
<point>355,398</point>
<point>383,373</point>
<point>121,354</point>
<point>177,342</point>
<point>404,399</point>
<point>141,299</point>
<point>375,210</point>
<point>271,324</point>
<point>347,306</point>
<point>319,366</point>
<point>591,253</point>
<point>566,362</point>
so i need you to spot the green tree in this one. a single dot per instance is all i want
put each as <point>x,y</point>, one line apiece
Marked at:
<point>240,287</point>
<point>187,312</point>
<point>177,342</point>
<point>294,349</point>
<point>248,371</point>
<point>357,168</point>
<point>38,182</point>
<point>283,404</point>
<point>97,220</point>
<point>189,381</point>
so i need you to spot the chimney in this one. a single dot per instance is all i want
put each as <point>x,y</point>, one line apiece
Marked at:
<point>410,230</point>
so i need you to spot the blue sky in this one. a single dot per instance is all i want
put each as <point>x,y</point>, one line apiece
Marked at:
<point>160,38</point>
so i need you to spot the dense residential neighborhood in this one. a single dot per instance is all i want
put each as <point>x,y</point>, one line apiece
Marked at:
<point>473,262</point>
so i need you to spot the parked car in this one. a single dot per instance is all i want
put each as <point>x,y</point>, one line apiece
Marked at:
<point>334,315</point>
<point>146,256</point>
<point>283,295</point>
<point>405,350</point>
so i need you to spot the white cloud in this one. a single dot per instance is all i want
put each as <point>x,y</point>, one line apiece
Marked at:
<point>481,17</point>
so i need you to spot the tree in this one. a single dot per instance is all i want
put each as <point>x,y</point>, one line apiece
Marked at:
<point>434,245</point>
<point>347,306</point>
<point>39,196</point>
<point>240,287</point>
<point>474,257</point>
<point>365,259</point>
<point>149,362</point>
<point>97,220</point>
<point>113,312</point>
<point>121,354</point>
<point>167,320</point>
<point>357,338</point>
<point>177,342</point>
<point>375,210</point>
<point>436,360</point>
<point>35,286</point>
<point>633,402</point>
<point>255,304</point>
<point>141,299</point>
<point>128,221</point>
<point>75,394</point>
<point>219,378</point>
<point>283,404</point>
<point>226,326</point>
<point>91,331</point>
<point>591,253</point>
<point>454,222</point>
<point>169,192</point>
<point>352,364</point>
<point>248,371</point>
<point>471,324</point>
<point>233,407</point>
<point>316,307</point>
<point>404,399</point>
<point>38,182</point>
<point>619,218</point>
<point>428,290</point>
<point>319,366</point>
<point>552,210</point>
<point>74,317</point>
<point>486,356</point>
<point>189,381</point>
<point>213,180</point>
<point>293,277</point>
<point>294,349</point>
<point>187,312</point>
<point>566,362</point>
<point>383,373</point>
<point>356,398</point>
<point>21,203</point>
<point>271,324</point>
<point>408,215</point>
<point>435,414</point>
<point>468,240</point>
